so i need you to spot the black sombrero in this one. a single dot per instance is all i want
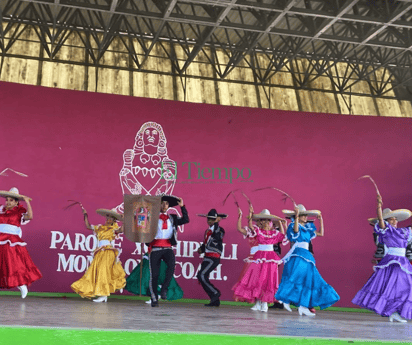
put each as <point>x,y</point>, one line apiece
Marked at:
<point>171,199</point>
<point>213,214</point>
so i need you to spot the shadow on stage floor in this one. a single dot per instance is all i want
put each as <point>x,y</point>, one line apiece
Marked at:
<point>186,317</point>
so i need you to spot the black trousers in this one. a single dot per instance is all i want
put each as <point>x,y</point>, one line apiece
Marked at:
<point>155,259</point>
<point>208,265</point>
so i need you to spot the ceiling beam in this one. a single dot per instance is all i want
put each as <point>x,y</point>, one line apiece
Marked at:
<point>166,16</point>
<point>249,36</point>
<point>393,18</point>
<point>112,6</point>
<point>206,36</point>
<point>345,8</point>
<point>235,60</point>
<point>207,22</point>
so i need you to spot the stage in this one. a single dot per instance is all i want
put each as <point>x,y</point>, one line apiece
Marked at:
<point>194,318</point>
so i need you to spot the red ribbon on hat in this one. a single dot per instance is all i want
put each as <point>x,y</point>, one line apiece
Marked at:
<point>164,217</point>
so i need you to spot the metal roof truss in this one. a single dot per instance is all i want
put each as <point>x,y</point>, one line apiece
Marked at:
<point>373,38</point>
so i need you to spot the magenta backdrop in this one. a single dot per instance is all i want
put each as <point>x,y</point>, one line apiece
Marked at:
<point>71,146</point>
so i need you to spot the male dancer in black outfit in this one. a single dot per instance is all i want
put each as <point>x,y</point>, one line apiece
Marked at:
<point>161,247</point>
<point>212,248</point>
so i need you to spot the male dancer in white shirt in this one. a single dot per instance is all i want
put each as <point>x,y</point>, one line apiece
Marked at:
<point>161,247</point>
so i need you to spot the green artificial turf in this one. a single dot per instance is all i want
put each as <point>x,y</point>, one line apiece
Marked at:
<point>43,335</point>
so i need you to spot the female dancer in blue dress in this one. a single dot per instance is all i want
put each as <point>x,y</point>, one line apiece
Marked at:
<point>301,284</point>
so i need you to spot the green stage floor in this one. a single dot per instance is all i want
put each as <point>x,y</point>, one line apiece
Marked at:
<point>40,336</point>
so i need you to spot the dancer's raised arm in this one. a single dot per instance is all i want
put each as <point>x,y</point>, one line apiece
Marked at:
<point>321,231</point>
<point>283,225</point>
<point>250,221</point>
<point>29,214</point>
<point>379,212</point>
<point>296,226</point>
<point>86,219</point>
<point>239,224</point>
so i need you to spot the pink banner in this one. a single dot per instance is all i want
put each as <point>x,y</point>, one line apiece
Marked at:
<point>95,147</point>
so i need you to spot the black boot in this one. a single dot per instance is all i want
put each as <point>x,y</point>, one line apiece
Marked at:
<point>214,303</point>
<point>155,303</point>
<point>163,295</point>
<point>277,305</point>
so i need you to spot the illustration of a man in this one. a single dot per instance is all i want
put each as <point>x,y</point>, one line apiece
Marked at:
<point>147,169</point>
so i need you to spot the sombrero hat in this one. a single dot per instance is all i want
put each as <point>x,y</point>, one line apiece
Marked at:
<point>265,214</point>
<point>213,214</point>
<point>302,212</point>
<point>109,213</point>
<point>12,193</point>
<point>400,215</point>
<point>171,199</point>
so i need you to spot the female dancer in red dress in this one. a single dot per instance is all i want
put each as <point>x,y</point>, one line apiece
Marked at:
<point>16,266</point>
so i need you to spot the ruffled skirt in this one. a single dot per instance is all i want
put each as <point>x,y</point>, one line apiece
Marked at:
<point>16,266</point>
<point>302,285</point>
<point>259,282</point>
<point>174,291</point>
<point>104,276</point>
<point>389,289</point>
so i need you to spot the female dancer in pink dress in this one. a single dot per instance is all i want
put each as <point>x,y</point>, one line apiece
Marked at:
<point>260,282</point>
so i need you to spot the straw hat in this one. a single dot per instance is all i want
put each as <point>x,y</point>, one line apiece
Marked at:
<point>12,193</point>
<point>109,213</point>
<point>302,212</point>
<point>265,214</point>
<point>213,214</point>
<point>400,215</point>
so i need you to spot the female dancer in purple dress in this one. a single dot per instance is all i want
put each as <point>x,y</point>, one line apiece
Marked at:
<point>388,292</point>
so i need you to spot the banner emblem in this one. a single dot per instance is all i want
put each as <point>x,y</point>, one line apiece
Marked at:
<point>141,217</point>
